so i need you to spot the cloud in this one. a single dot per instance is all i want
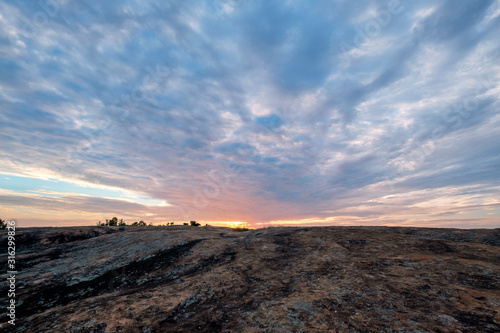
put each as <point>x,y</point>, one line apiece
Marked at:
<point>252,111</point>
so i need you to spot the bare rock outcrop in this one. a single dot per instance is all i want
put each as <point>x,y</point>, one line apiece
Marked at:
<point>208,279</point>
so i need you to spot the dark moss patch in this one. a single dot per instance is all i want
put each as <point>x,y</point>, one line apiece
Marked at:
<point>477,322</point>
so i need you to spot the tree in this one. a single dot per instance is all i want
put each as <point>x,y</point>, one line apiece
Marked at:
<point>185,223</point>
<point>113,222</point>
<point>3,225</point>
<point>122,223</point>
<point>141,223</point>
<point>194,224</point>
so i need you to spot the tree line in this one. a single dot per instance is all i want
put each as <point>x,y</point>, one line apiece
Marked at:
<point>115,222</point>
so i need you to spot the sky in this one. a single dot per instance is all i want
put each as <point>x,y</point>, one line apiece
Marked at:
<point>256,113</point>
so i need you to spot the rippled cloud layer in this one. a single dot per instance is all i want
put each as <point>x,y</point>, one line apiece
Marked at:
<point>264,112</point>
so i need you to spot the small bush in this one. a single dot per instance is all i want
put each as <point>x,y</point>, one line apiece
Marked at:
<point>113,222</point>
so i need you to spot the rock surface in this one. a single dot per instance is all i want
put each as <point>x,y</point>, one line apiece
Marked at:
<point>208,279</point>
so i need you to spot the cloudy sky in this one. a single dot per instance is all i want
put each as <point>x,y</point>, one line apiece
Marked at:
<point>264,112</point>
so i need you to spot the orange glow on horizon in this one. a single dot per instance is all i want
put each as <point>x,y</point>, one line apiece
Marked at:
<point>236,224</point>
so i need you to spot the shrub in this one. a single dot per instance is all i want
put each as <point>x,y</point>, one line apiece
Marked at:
<point>141,223</point>
<point>113,222</point>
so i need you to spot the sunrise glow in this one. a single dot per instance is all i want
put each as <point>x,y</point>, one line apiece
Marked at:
<point>273,114</point>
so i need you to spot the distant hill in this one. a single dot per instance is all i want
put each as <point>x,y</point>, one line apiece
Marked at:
<point>211,279</point>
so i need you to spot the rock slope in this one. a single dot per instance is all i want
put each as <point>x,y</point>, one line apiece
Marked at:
<point>208,279</point>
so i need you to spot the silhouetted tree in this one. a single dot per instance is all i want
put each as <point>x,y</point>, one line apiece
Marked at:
<point>141,223</point>
<point>3,225</point>
<point>122,223</point>
<point>194,224</point>
<point>185,223</point>
<point>113,222</point>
